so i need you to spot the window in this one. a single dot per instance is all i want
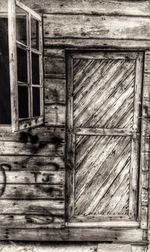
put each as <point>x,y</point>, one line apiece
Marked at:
<point>21,103</point>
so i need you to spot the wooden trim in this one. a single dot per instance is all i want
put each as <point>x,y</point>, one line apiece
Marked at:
<point>134,132</point>
<point>98,43</point>
<point>145,210</point>
<point>5,128</point>
<point>41,62</point>
<point>21,45</point>
<point>138,90</point>
<point>30,67</point>
<point>13,63</point>
<point>105,224</point>
<point>70,156</point>
<point>28,123</point>
<point>36,51</point>
<point>127,235</point>
<point>134,175</point>
<point>31,122</point>
<point>25,8</point>
<point>103,132</point>
<point>134,172</point>
<point>104,55</point>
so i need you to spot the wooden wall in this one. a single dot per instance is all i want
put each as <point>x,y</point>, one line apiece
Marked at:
<point>32,163</point>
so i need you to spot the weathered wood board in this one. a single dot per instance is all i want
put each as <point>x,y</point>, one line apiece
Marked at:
<point>87,26</point>
<point>98,7</point>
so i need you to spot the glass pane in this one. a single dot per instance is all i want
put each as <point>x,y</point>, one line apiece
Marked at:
<point>5,107</point>
<point>23,101</point>
<point>21,25</point>
<point>36,101</point>
<point>22,65</point>
<point>34,33</point>
<point>35,69</point>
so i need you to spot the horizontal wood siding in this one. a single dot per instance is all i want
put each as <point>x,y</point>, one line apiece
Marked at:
<point>32,178</point>
<point>86,26</point>
<point>32,164</point>
<point>97,7</point>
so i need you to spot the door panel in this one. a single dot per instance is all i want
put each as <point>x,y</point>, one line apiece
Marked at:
<point>103,93</point>
<point>103,133</point>
<point>102,176</point>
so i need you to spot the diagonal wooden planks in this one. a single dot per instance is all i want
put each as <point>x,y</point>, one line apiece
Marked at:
<point>104,101</point>
<point>102,89</point>
<point>103,169</point>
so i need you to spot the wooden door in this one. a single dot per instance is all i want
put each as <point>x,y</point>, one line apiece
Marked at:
<point>103,137</point>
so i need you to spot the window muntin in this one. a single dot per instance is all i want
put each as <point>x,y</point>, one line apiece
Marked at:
<point>34,33</point>
<point>21,26</point>
<point>29,69</point>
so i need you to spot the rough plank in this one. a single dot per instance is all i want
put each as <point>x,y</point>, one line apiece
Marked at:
<point>55,115</point>
<point>3,6</point>
<point>86,26</point>
<point>54,53</point>
<point>38,207</point>
<point>144,217</point>
<point>96,43</point>
<point>31,177</point>
<point>55,91</point>
<point>144,196</point>
<point>31,163</point>
<point>39,149</point>
<point>31,192</point>
<point>96,7</point>
<point>146,144</point>
<point>73,234</point>
<point>146,162</point>
<point>31,221</point>
<point>54,66</point>
<point>114,248</point>
<point>35,136</point>
<point>147,64</point>
<point>146,126</point>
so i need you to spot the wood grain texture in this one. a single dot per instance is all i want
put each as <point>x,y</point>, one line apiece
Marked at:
<point>31,192</point>
<point>15,148</point>
<point>39,207</point>
<point>54,66</point>
<point>145,147</point>
<point>34,220</point>
<point>104,184</point>
<point>73,234</point>
<point>103,93</point>
<point>32,177</point>
<point>86,26</point>
<point>55,91</point>
<point>54,52</point>
<point>96,43</point>
<point>31,163</point>
<point>55,115</point>
<point>36,135</point>
<point>97,7</point>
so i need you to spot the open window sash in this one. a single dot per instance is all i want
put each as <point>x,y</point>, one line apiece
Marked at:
<point>26,97</point>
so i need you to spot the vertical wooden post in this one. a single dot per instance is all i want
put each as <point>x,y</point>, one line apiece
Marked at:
<point>13,63</point>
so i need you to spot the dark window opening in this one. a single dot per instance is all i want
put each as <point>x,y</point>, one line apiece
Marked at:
<point>23,102</point>
<point>36,101</point>
<point>5,107</point>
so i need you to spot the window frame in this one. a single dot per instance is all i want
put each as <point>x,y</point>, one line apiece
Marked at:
<point>16,122</point>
